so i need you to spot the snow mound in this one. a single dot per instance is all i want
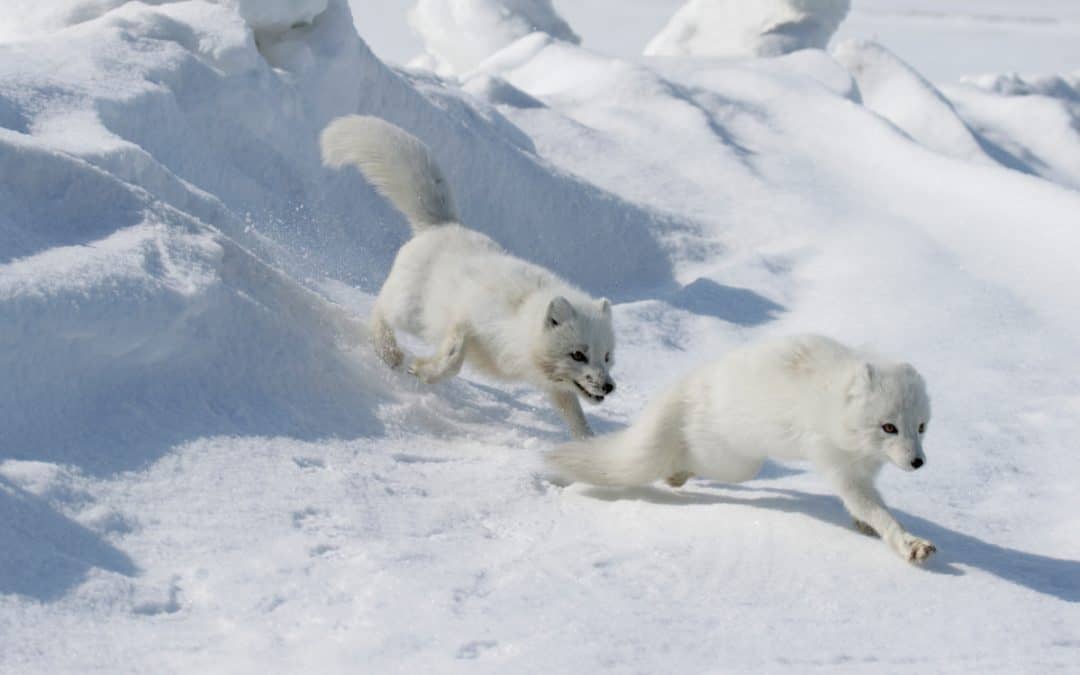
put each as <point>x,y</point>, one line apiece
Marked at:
<point>276,16</point>
<point>459,34</point>
<point>892,89</point>
<point>27,18</point>
<point>164,213</point>
<point>1036,120</point>
<point>136,326</point>
<point>734,28</point>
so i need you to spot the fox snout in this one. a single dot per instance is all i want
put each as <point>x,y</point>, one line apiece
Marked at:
<point>602,382</point>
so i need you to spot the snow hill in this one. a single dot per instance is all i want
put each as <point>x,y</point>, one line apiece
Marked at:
<point>203,468</point>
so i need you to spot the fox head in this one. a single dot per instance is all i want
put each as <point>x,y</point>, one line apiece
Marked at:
<point>888,412</point>
<point>576,347</point>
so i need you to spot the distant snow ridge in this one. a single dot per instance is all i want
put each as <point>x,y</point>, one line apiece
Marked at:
<point>748,27</point>
<point>459,34</point>
<point>892,89</point>
<point>1035,120</point>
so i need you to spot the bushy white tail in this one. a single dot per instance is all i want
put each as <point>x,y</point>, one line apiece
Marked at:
<point>651,449</point>
<point>397,163</point>
<point>612,459</point>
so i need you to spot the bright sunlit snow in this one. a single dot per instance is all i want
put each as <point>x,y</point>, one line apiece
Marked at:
<point>204,467</point>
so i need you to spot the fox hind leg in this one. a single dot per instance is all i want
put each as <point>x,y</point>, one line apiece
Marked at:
<point>384,341</point>
<point>446,362</point>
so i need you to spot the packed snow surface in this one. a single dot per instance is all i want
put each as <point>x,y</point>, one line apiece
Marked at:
<point>741,28</point>
<point>204,469</point>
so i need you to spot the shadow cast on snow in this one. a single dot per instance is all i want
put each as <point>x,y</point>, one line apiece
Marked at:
<point>1056,577</point>
<point>44,553</point>
<point>736,305</point>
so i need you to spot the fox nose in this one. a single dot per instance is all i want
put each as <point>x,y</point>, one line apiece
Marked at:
<point>917,462</point>
<point>609,387</point>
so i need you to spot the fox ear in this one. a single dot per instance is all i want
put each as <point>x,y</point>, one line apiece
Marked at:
<point>605,306</point>
<point>559,311</point>
<point>862,379</point>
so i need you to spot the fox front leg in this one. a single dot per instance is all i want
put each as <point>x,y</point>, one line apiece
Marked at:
<point>569,407</point>
<point>865,505</point>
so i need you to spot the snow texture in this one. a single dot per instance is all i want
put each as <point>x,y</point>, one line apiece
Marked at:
<point>748,27</point>
<point>459,34</point>
<point>203,468</point>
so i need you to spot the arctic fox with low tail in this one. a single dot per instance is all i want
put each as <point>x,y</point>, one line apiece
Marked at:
<point>463,294</point>
<point>803,397</point>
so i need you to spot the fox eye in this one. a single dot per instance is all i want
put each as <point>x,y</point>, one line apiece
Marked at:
<point>579,357</point>
<point>607,357</point>
<point>922,427</point>
<point>888,428</point>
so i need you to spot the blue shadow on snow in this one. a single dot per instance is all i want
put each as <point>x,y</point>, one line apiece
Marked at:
<point>1056,577</point>
<point>43,553</point>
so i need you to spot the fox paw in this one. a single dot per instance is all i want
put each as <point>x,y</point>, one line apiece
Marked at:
<point>916,550</point>
<point>428,371</point>
<point>677,480</point>
<point>421,369</point>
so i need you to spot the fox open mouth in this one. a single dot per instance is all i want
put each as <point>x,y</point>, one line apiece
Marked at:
<point>593,397</point>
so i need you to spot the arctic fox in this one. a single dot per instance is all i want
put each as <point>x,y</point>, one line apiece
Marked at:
<point>459,290</point>
<point>802,397</point>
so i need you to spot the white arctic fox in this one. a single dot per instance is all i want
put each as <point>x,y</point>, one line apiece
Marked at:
<point>804,397</point>
<point>459,290</point>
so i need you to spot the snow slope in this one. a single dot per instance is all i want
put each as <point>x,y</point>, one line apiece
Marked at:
<point>1033,118</point>
<point>202,472</point>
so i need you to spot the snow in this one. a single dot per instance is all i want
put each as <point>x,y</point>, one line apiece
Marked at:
<point>204,469</point>
<point>890,87</point>
<point>1032,118</point>
<point>740,28</point>
<point>459,34</point>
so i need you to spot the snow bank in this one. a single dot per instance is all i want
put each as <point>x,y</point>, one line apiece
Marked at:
<point>1036,120</point>
<point>132,326</point>
<point>167,207</point>
<point>748,27</point>
<point>459,34</point>
<point>892,89</point>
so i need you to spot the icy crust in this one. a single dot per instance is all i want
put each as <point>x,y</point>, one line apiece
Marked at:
<point>459,34</point>
<point>736,28</point>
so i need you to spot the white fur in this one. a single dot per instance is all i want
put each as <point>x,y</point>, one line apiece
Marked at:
<point>804,397</point>
<point>461,292</point>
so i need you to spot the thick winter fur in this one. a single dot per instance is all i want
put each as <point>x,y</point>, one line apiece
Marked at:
<point>462,293</point>
<point>805,397</point>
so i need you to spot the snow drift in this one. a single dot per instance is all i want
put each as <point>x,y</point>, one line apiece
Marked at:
<point>166,206</point>
<point>459,34</point>
<point>748,27</point>
<point>890,87</point>
<point>1036,120</point>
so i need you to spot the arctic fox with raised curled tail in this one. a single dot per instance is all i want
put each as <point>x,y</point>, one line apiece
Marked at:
<point>462,293</point>
<point>803,397</point>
